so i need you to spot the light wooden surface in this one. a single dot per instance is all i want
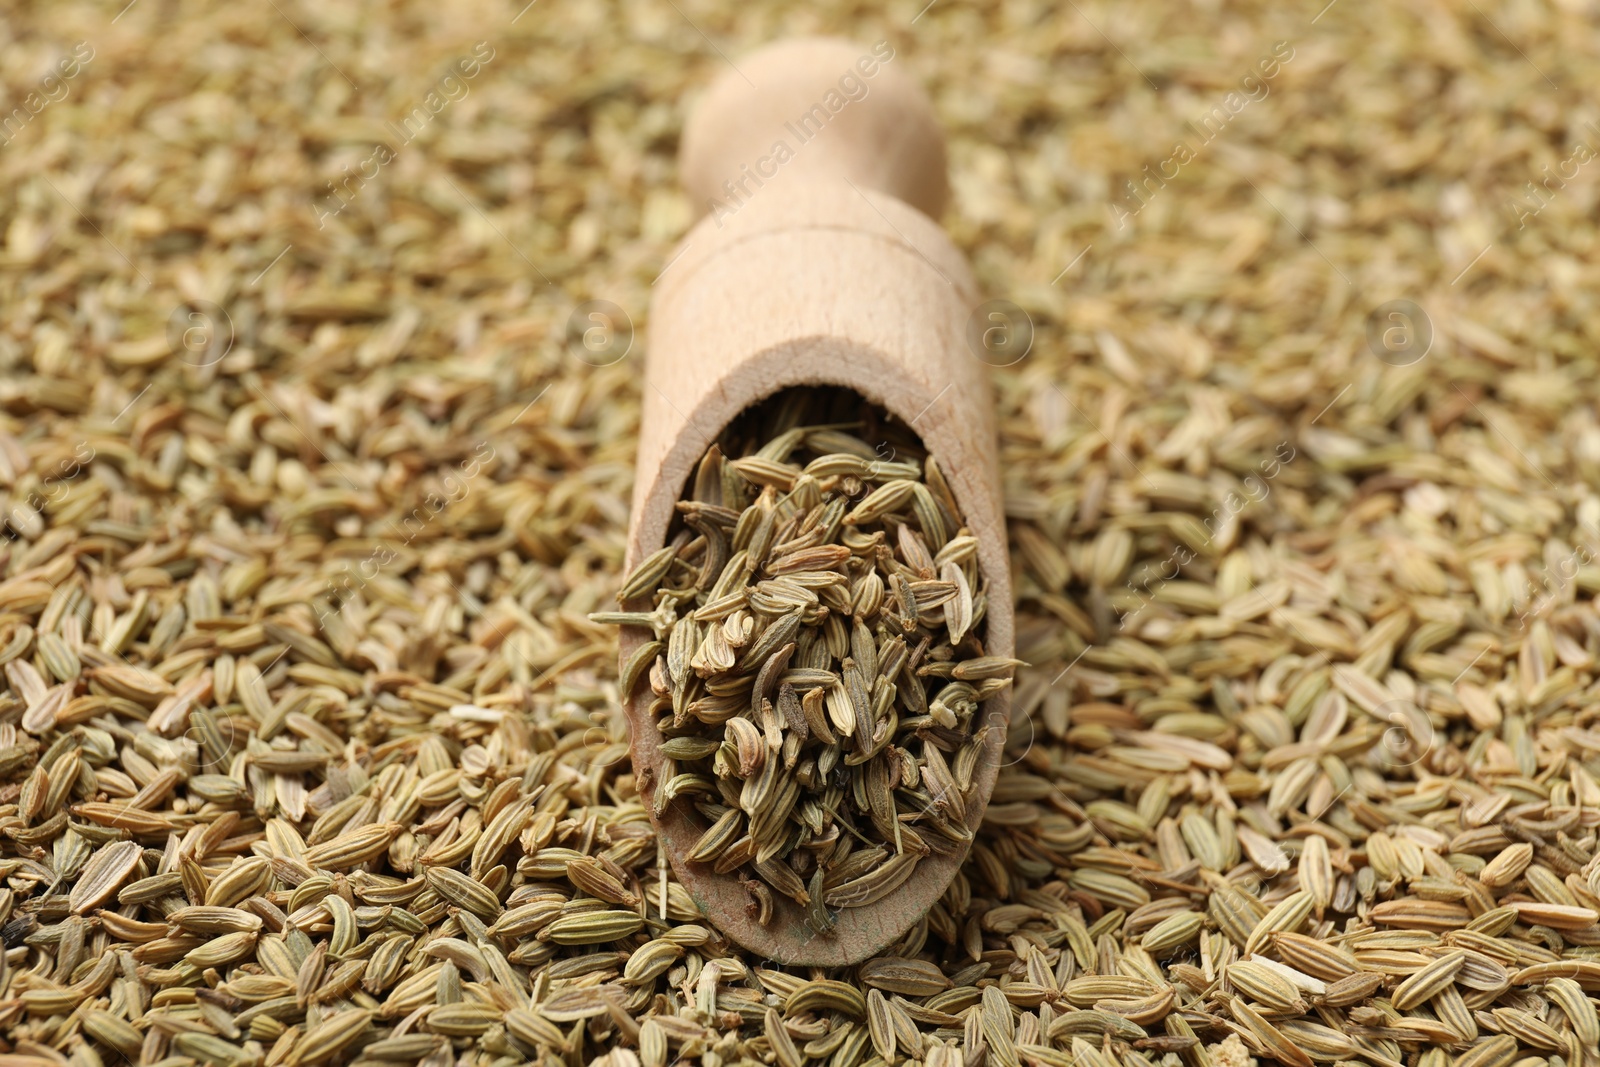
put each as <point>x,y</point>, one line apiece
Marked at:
<point>816,98</point>
<point>822,282</point>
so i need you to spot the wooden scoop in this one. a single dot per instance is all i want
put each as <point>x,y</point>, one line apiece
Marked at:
<point>821,275</point>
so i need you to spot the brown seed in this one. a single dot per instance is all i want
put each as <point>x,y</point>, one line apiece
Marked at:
<point>464,892</point>
<point>1271,1038</point>
<point>591,928</point>
<point>826,995</point>
<point>353,848</point>
<point>1560,916</point>
<point>913,978</point>
<point>1352,989</point>
<point>1508,866</point>
<point>782,1045</point>
<point>103,874</point>
<point>1498,1051</point>
<point>1265,986</point>
<point>1428,982</point>
<point>330,1036</point>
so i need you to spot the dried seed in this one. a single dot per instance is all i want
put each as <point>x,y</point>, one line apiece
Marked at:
<point>1427,983</point>
<point>913,978</point>
<point>330,1036</point>
<point>106,870</point>
<point>1278,1046</point>
<point>591,928</point>
<point>462,891</point>
<point>1498,1051</point>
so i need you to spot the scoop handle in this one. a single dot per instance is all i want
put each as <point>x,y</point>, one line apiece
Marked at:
<point>814,108</point>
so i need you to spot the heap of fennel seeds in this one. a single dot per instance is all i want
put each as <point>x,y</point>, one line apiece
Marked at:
<point>817,671</point>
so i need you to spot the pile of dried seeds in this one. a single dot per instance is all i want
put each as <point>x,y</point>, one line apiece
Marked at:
<point>817,664</point>
<point>1249,551</point>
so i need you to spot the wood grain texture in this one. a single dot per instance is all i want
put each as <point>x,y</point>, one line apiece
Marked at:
<point>828,283</point>
<point>880,131</point>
